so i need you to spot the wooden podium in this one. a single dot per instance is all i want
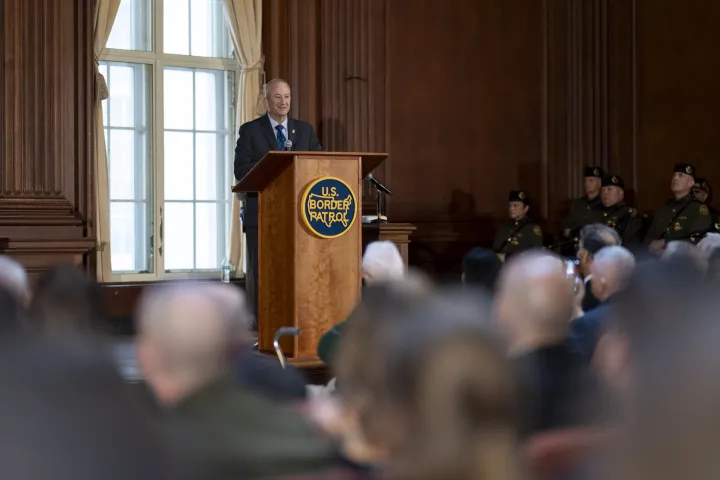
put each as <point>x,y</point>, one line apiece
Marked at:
<point>304,280</point>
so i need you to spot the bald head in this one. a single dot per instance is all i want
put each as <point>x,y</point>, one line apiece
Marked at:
<point>188,334</point>
<point>13,278</point>
<point>612,268</point>
<point>535,296</point>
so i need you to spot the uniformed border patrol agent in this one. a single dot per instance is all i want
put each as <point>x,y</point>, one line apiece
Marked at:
<point>616,213</point>
<point>519,233</point>
<point>683,217</point>
<point>583,208</point>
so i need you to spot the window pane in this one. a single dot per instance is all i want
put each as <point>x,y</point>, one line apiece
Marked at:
<point>122,96</point>
<point>208,230</point>
<point>178,166</point>
<point>207,102</point>
<point>207,176</point>
<point>132,27</point>
<point>128,237</point>
<point>179,241</point>
<point>209,35</point>
<point>122,160</point>
<point>178,99</point>
<point>176,27</point>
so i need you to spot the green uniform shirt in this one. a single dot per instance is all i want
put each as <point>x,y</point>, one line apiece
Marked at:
<point>623,218</point>
<point>684,219</point>
<point>581,213</point>
<point>515,236</point>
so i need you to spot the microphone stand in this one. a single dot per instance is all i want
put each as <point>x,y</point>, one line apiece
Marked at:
<point>380,189</point>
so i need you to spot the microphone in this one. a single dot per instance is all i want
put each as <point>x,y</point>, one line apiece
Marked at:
<point>377,184</point>
<point>288,144</point>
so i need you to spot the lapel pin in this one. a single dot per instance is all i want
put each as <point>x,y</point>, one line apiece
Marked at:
<point>293,130</point>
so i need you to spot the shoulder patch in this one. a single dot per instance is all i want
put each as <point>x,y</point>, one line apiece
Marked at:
<point>537,231</point>
<point>703,210</point>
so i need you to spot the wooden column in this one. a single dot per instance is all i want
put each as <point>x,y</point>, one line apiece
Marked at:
<point>46,130</point>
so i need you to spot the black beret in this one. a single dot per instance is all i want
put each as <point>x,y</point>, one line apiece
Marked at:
<point>703,185</point>
<point>593,172</point>
<point>685,168</point>
<point>613,181</point>
<point>518,196</point>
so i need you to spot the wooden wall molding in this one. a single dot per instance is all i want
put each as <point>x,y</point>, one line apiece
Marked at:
<point>46,127</point>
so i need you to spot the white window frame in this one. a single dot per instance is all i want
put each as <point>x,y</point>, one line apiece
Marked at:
<point>158,60</point>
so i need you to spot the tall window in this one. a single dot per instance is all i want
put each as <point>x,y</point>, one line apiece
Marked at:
<point>169,130</point>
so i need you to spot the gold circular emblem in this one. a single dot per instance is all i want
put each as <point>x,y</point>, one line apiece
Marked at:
<point>688,169</point>
<point>596,172</point>
<point>521,195</point>
<point>677,227</point>
<point>537,231</point>
<point>703,210</point>
<point>615,180</point>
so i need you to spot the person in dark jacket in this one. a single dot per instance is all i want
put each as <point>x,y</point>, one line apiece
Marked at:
<point>519,233</point>
<point>611,269</point>
<point>534,303</point>
<point>215,429</point>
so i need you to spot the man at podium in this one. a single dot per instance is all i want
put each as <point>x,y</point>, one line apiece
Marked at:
<point>274,131</point>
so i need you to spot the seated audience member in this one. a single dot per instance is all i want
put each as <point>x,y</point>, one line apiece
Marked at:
<point>216,429</point>
<point>481,268</point>
<point>684,256</point>
<point>14,280</point>
<point>533,306</point>
<point>65,301</point>
<point>439,399</point>
<point>593,237</point>
<point>67,415</point>
<point>611,270</point>
<point>714,265</point>
<point>664,362</point>
<point>381,263</point>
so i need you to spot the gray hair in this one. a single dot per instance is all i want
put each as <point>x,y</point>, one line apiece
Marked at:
<point>382,262</point>
<point>13,277</point>
<point>615,264</point>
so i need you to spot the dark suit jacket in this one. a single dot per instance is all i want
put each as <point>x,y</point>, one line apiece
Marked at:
<point>557,389</point>
<point>256,139</point>
<point>585,332</point>
<point>225,432</point>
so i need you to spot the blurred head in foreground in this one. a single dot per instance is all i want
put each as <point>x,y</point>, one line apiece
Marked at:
<point>189,335</point>
<point>535,301</point>
<point>664,357</point>
<point>441,402</point>
<point>67,415</point>
<point>65,301</point>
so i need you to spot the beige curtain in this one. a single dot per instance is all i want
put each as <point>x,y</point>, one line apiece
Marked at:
<point>244,19</point>
<point>105,11</point>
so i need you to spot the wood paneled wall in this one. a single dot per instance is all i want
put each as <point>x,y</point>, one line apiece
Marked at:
<point>474,97</point>
<point>46,131</point>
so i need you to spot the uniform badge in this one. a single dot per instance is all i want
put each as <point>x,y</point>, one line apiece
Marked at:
<point>614,180</point>
<point>513,241</point>
<point>596,172</point>
<point>677,227</point>
<point>521,195</point>
<point>612,222</point>
<point>703,210</point>
<point>688,169</point>
<point>717,226</point>
<point>537,231</point>
<point>293,130</point>
<point>632,212</point>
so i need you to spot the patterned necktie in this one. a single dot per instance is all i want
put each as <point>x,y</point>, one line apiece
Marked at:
<point>280,137</point>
